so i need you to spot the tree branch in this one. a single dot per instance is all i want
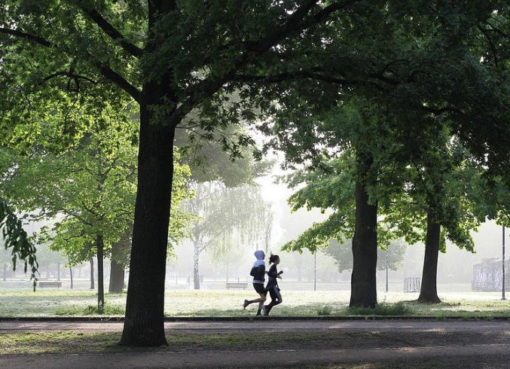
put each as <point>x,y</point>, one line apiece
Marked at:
<point>110,30</point>
<point>116,78</point>
<point>70,75</point>
<point>304,74</point>
<point>327,11</point>
<point>104,69</point>
<point>491,45</point>
<point>297,22</point>
<point>27,36</point>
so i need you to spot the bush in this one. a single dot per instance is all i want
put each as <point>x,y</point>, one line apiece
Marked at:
<point>325,310</point>
<point>399,308</point>
<point>90,310</point>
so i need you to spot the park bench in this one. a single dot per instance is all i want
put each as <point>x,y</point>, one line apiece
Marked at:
<point>44,284</point>
<point>412,284</point>
<point>239,285</point>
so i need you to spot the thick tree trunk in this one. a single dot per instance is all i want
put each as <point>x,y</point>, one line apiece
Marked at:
<point>196,259</point>
<point>364,244</point>
<point>117,269</point>
<point>143,325</point>
<point>100,274</point>
<point>428,291</point>
<point>92,286</point>
<point>116,278</point>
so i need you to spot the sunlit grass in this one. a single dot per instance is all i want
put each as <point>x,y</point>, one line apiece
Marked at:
<point>73,341</point>
<point>221,303</point>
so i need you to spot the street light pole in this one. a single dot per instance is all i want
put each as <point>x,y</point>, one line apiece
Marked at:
<point>386,264</point>
<point>315,270</point>
<point>503,268</point>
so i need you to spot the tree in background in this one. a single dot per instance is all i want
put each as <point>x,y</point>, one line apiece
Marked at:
<point>391,255</point>
<point>225,216</point>
<point>402,103</point>
<point>92,188</point>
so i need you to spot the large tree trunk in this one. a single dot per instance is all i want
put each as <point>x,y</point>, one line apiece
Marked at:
<point>364,243</point>
<point>428,291</point>
<point>92,274</point>
<point>116,277</point>
<point>100,275</point>
<point>196,272</point>
<point>117,269</point>
<point>144,323</point>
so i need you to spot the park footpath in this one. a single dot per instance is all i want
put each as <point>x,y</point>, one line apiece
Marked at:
<point>447,343</point>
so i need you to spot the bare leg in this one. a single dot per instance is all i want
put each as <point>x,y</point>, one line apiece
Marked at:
<point>260,300</point>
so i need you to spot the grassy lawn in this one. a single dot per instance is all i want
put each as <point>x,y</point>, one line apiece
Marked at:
<point>90,342</point>
<point>69,342</point>
<point>221,303</point>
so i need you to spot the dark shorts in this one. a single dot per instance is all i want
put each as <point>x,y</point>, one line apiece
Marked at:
<point>275,293</point>
<point>259,288</point>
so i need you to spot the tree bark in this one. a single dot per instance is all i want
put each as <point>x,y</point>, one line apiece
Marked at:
<point>428,291</point>
<point>144,323</point>
<point>116,277</point>
<point>71,276</point>
<point>364,243</point>
<point>196,272</point>
<point>92,274</point>
<point>100,275</point>
<point>117,269</point>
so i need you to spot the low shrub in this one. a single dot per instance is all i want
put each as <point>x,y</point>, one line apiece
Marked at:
<point>325,310</point>
<point>90,310</point>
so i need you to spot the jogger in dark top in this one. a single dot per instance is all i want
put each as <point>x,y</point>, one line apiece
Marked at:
<point>272,285</point>
<point>258,273</point>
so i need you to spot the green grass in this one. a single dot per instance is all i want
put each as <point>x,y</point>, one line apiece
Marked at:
<point>220,303</point>
<point>110,310</point>
<point>89,342</point>
<point>397,309</point>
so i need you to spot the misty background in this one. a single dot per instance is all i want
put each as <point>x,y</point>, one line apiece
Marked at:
<point>302,271</point>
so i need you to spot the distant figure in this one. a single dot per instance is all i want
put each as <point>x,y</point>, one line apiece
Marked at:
<point>272,284</point>
<point>258,272</point>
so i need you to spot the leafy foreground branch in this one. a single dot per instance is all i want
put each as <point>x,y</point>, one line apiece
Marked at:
<point>14,237</point>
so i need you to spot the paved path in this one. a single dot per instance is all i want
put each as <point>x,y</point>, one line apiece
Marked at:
<point>277,325</point>
<point>463,352</point>
<point>251,358</point>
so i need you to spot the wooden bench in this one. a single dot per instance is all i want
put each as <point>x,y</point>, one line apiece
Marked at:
<point>239,285</point>
<point>44,284</point>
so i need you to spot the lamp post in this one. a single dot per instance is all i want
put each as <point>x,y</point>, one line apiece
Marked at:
<point>503,267</point>
<point>386,265</point>
<point>315,270</point>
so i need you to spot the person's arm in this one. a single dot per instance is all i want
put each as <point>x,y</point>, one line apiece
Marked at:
<point>272,271</point>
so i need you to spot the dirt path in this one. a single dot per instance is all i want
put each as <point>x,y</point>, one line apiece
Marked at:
<point>463,344</point>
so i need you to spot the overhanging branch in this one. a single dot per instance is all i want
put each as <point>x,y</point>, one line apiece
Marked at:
<point>26,36</point>
<point>70,75</point>
<point>110,30</point>
<point>104,69</point>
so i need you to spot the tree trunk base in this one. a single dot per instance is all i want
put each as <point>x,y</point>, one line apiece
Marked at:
<point>155,339</point>
<point>429,300</point>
